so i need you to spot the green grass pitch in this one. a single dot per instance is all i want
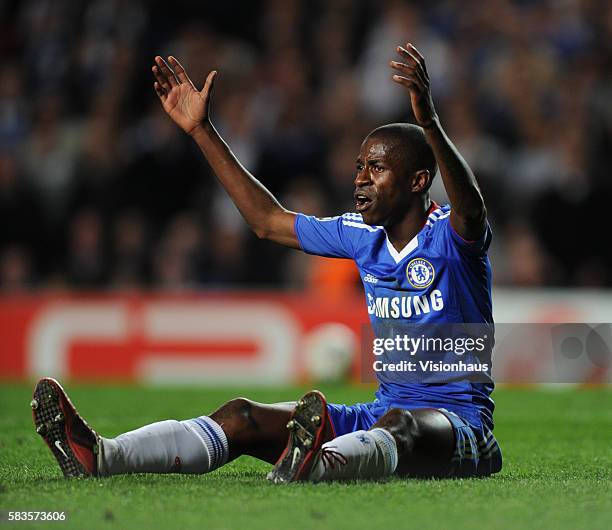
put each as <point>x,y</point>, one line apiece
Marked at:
<point>557,470</point>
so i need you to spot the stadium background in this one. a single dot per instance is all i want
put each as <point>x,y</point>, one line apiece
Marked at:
<point>98,188</point>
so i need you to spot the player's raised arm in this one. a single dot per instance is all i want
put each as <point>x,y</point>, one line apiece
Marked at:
<point>468,214</point>
<point>190,109</point>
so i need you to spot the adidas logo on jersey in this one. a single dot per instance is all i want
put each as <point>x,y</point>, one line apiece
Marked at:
<point>370,279</point>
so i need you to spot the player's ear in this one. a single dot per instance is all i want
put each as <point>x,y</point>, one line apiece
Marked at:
<point>421,181</point>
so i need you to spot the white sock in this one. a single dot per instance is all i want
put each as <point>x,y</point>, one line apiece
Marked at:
<point>357,455</point>
<point>198,445</point>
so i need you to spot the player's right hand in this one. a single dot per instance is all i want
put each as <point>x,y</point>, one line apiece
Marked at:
<point>187,106</point>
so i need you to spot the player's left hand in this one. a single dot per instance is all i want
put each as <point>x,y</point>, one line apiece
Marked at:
<point>412,73</point>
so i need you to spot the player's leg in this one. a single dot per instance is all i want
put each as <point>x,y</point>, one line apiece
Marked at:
<point>196,445</point>
<point>254,429</point>
<point>425,441</point>
<point>418,443</point>
<point>439,443</point>
<point>408,443</point>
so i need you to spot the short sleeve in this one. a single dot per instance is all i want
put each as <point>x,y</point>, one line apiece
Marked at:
<point>478,247</point>
<point>323,236</point>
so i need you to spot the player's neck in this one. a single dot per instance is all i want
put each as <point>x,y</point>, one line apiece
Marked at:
<point>402,232</point>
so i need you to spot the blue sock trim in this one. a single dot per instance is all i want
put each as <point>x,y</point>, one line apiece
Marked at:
<point>388,445</point>
<point>213,437</point>
<point>204,428</point>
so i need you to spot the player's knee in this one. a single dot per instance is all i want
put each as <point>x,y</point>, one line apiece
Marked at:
<point>238,409</point>
<point>235,417</point>
<point>403,427</point>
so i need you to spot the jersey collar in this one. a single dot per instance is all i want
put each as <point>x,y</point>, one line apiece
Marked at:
<point>412,244</point>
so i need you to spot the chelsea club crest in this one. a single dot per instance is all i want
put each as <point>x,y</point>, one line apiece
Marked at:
<point>420,273</point>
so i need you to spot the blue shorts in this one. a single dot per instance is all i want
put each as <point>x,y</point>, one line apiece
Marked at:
<point>477,453</point>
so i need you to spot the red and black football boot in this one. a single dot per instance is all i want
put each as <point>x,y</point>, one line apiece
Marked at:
<point>73,443</point>
<point>310,427</point>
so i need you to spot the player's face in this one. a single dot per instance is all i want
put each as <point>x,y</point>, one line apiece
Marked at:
<point>382,189</point>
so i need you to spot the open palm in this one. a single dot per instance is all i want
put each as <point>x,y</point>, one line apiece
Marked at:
<point>187,106</point>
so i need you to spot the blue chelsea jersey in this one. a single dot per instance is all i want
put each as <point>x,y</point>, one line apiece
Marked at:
<point>438,278</point>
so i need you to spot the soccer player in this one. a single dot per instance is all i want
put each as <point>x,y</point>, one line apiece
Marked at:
<point>420,263</point>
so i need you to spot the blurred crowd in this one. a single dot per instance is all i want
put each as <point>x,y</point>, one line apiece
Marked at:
<point>99,189</point>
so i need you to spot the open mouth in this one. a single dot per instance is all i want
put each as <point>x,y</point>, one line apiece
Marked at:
<point>362,202</point>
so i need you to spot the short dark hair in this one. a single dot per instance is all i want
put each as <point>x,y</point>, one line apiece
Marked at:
<point>410,142</point>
